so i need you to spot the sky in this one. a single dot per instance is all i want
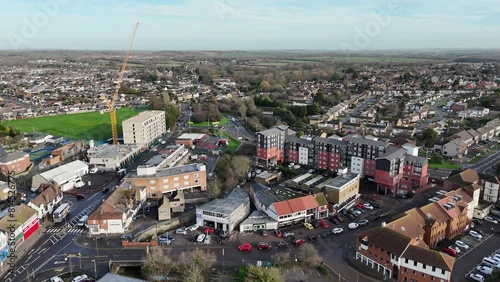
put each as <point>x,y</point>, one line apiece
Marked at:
<point>250,24</point>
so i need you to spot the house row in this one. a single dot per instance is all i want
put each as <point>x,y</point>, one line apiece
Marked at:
<point>395,169</point>
<point>400,249</point>
<point>486,187</point>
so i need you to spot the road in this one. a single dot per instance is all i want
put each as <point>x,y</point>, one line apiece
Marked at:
<point>486,163</point>
<point>237,130</point>
<point>359,109</point>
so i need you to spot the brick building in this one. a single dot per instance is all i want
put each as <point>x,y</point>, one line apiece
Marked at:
<point>271,144</point>
<point>15,161</point>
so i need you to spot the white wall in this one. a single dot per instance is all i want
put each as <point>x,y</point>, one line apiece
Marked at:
<point>357,165</point>
<point>427,270</point>
<point>303,155</point>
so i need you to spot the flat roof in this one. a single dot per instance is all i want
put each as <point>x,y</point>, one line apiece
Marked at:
<point>341,180</point>
<point>267,174</point>
<point>143,116</point>
<point>164,172</point>
<point>226,206</point>
<point>113,151</point>
<point>268,196</point>
<point>257,217</point>
<point>191,136</point>
<point>314,180</point>
<point>63,173</point>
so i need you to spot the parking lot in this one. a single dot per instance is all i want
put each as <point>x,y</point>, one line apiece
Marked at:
<point>467,260</point>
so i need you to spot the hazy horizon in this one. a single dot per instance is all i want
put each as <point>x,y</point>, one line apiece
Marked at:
<point>237,25</point>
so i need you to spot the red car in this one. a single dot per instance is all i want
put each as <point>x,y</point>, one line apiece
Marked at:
<point>278,233</point>
<point>299,241</point>
<point>323,224</point>
<point>245,247</point>
<point>208,230</point>
<point>449,251</point>
<point>264,246</point>
<point>360,205</point>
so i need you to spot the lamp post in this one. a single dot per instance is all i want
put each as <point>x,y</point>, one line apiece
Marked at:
<point>95,268</point>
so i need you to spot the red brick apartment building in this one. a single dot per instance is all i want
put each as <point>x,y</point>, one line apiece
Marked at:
<point>16,161</point>
<point>271,144</point>
<point>395,169</point>
<point>400,257</point>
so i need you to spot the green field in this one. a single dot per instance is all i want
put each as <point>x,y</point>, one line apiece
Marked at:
<point>222,122</point>
<point>74,126</point>
<point>445,166</point>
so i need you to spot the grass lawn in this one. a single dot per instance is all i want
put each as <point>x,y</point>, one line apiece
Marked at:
<point>74,126</point>
<point>481,156</point>
<point>445,165</point>
<point>222,122</point>
<point>233,143</point>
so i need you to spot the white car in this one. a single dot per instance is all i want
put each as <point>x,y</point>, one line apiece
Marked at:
<point>181,231</point>
<point>80,278</point>
<point>337,230</point>
<point>207,240</point>
<point>163,142</point>
<point>200,238</point>
<point>79,184</point>
<point>491,220</point>
<point>296,167</point>
<point>475,234</point>
<point>484,270</point>
<point>291,165</point>
<point>462,245</point>
<point>477,277</point>
<point>368,206</point>
<point>93,170</point>
<point>192,227</point>
<point>353,225</point>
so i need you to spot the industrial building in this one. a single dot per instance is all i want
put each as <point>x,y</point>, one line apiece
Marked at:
<point>224,214</point>
<point>144,128</point>
<point>112,157</point>
<point>65,176</point>
<point>342,188</point>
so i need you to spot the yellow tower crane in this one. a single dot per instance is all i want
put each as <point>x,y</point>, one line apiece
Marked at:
<point>111,104</point>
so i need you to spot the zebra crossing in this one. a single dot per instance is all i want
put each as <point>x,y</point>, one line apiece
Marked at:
<point>54,230</point>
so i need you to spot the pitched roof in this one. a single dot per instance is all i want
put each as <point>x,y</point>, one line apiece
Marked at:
<point>386,238</point>
<point>48,194</point>
<point>433,211</point>
<point>21,214</point>
<point>321,199</point>
<point>464,177</point>
<point>429,257</point>
<point>303,203</point>
<point>282,208</point>
<point>406,225</point>
<point>9,157</point>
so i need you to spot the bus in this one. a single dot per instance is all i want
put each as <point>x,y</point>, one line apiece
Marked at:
<point>60,213</point>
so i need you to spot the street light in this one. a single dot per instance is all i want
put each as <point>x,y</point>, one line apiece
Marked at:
<point>95,268</point>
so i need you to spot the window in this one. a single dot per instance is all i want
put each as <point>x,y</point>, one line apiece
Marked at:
<point>165,180</point>
<point>414,272</point>
<point>415,263</point>
<point>186,176</point>
<point>442,271</point>
<point>152,181</point>
<point>423,275</point>
<point>433,268</point>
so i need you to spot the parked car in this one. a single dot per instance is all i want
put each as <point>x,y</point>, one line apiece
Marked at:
<point>263,232</point>
<point>475,234</point>
<point>93,170</point>
<point>181,231</point>
<point>315,224</point>
<point>360,205</point>
<point>282,244</point>
<point>337,230</point>
<point>207,240</point>
<point>313,237</point>
<point>308,226</point>
<point>353,225</point>
<point>56,279</point>
<point>449,251</point>
<point>264,246</point>
<point>208,230</point>
<point>363,222</point>
<point>126,236</point>
<point>478,231</point>
<point>192,227</point>
<point>484,270</point>
<point>80,196</point>
<point>325,234</point>
<point>299,241</point>
<point>105,190</point>
<point>278,233</point>
<point>200,238</point>
<point>376,205</point>
<point>373,217</point>
<point>457,249</point>
<point>350,216</point>
<point>462,245</point>
<point>383,214</point>
<point>288,234</point>
<point>335,221</point>
<point>193,238</point>
<point>323,224</point>
<point>477,221</point>
<point>245,247</point>
<point>338,217</point>
<point>491,220</point>
<point>80,278</point>
<point>477,277</point>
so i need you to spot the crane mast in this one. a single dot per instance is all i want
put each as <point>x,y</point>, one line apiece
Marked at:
<point>111,104</point>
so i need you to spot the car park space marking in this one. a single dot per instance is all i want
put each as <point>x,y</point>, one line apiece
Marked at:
<point>474,268</point>
<point>462,254</point>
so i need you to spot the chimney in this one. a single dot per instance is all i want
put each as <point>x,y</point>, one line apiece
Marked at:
<point>428,216</point>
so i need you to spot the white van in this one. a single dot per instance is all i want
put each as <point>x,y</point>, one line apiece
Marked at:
<point>80,278</point>
<point>192,227</point>
<point>491,262</point>
<point>56,279</point>
<point>83,221</point>
<point>207,240</point>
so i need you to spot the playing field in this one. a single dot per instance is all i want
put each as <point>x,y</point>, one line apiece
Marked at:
<point>83,126</point>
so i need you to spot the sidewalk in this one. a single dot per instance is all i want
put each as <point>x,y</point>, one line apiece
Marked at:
<point>26,246</point>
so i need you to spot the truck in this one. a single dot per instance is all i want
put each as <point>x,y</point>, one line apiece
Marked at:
<point>121,172</point>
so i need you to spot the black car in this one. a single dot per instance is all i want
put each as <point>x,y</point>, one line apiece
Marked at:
<point>193,238</point>
<point>350,216</point>
<point>282,244</point>
<point>335,221</point>
<point>326,234</point>
<point>376,205</point>
<point>478,231</point>
<point>477,221</point>
<point>313,237</point>
<point>315,224</point>
<point>105,190</point>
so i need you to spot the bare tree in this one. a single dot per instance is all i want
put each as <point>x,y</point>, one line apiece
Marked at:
<point>281,258</point>
<point>194,265</point>
<point>241,166</point>
<point>156,264</point>
<point>308,255</point>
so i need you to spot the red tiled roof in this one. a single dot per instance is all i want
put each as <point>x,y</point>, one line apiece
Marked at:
<point>303,203</point>
<point>282,208</point>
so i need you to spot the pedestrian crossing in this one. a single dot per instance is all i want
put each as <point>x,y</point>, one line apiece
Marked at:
<point>54,230</point>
